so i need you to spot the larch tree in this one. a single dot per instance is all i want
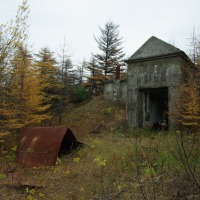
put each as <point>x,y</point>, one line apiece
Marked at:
<point>186,111</point>
<point>95,77</point>
<point>109,44</point>
<point>194,50</point>
<point>12,35</point>
<point>190,89</point>
<point>65,66</point>
<point>92,66</point>
<point>190,111</point>
<point>26,97</point>
<point>80,71</point>
<point>50,81</point>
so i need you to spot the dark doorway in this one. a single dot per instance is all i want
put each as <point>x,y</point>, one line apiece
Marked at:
<point>154,107</point>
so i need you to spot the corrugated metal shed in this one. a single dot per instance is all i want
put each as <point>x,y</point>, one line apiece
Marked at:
<point>40,146</point>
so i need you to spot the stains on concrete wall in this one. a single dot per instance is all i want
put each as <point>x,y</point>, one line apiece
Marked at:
<point>155,73</point>
<point>154,77</point>
<point>116,90</point>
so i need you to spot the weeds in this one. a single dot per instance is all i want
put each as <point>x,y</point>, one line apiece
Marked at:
<point>188,155</point>
<point>2,176</point>
<point>116,164</point>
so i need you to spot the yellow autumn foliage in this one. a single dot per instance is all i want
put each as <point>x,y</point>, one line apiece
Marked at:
<point>25,106</point>
<point>187,109</point>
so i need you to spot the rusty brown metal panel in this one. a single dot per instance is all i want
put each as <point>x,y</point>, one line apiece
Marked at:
<point>117,72</point>
<point>39,146</point>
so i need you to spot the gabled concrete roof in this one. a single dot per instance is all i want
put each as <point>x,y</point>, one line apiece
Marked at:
<point>153,48</point>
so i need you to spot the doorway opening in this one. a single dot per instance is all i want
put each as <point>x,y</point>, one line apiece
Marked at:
<point>155,108</point>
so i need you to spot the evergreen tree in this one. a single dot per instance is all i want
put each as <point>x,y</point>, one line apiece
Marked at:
<point>109,44</point>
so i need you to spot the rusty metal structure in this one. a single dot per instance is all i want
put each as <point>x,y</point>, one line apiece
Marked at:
<point>40,146</point>
<point>117,73</point>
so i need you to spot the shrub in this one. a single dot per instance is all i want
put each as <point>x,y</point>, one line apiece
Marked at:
<point>79,94</point>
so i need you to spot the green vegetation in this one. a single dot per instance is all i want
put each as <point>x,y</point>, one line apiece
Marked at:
<point>79,94</point>
<point>117,163</point>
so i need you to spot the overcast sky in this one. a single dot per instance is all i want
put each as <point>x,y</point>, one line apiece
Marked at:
<point>78,21</point>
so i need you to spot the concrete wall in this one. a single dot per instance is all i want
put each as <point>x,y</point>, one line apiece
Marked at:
<point>116,90</point>
<point>108,90</point>
<point>157,73</point>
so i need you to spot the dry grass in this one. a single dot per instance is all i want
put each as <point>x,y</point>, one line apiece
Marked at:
<point>83,118</point>
<point>116,164</point>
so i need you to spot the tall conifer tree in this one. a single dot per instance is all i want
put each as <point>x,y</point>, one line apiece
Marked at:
<point>12,35</point>
<point>109,44</point>
<point>26,97</point>
<point>50,79</point>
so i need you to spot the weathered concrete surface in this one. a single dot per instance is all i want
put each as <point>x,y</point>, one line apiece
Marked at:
<point>154,47</point>
<point>116,90</point>
<point>108,90</point>
<point>155,65</point>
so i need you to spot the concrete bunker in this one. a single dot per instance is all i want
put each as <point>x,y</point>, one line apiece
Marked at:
<point>153,106</point>
<point>155,74</point>
<point>40,146</point>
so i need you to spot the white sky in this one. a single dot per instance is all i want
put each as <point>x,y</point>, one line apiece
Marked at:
<point>78,20</point>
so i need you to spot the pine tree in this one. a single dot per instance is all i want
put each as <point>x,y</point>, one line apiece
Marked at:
<point>109,44</point>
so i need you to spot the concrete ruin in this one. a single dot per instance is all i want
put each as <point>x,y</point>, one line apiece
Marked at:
<point>116,90</point>
<point>155,73</point>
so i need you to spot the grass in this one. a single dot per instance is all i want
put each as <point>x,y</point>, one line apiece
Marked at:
<point>118,163</point>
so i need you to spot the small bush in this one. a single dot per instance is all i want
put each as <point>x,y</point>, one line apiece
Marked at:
<point>108,111</point>
<point>79,94</point>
